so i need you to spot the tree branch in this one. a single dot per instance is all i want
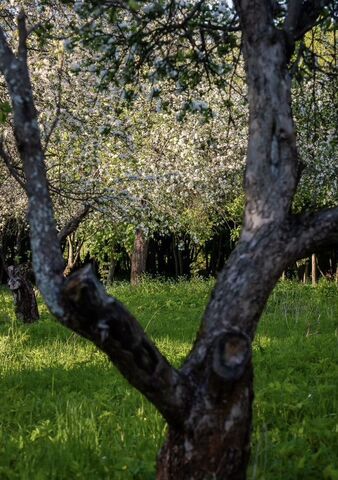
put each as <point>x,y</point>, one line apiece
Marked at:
<point>106,322</point>
<point>292,16</point>
<point>73,223</point>
<point>312,231</point>
<point>255,17</point>
<point>58,109</point>
<point>47,257</point>
<point>272,158</point>
<point>302,16</point>
<point>80,302</point>
<point>10,166</point>
<point>23,35</point>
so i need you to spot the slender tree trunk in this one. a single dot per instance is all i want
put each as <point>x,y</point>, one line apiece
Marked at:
<point>174,246</point>
<point>26,308</point>
<point>314,269</point>
<point>306,271</point>
<point>2,265</point>
<point>220,259</point>
<point>70,257</point>
<point>138,257</point>
<point>111,271</point>
<point>180,262</point>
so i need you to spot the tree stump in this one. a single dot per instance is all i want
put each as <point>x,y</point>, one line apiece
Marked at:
<point>26,308</point>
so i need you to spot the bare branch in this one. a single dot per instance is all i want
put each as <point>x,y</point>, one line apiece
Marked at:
<point>312,231</point>
<point>73,223</point>
<point>302,16</point>
<point>272,158</point>
<point>11,167</point>
<point>58,109</point>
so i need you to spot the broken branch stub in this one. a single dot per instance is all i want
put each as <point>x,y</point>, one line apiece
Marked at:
<point>231,352</point>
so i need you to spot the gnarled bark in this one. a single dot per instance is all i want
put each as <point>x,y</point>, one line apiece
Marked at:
<point>26,308</point>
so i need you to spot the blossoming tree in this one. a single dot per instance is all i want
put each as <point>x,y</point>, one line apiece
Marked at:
<point>207,402</point>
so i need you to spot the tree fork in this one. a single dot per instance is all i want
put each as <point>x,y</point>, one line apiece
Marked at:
<point>207,403</point>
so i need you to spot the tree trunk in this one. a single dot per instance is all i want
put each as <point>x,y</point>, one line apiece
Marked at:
<point>70,257</point>
<point>174,247</point>
<point>213,443</point>
<point>306,271</point>
<point>207,403</point>
<point>111,271</point>
<point>138,257</point>
<point>180,262</point>
<point>2,268</point>
<point>73,256</point>
<point>26,308</point>
<point>314,269</point>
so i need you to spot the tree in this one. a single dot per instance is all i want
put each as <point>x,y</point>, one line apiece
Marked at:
<point>207,402</point>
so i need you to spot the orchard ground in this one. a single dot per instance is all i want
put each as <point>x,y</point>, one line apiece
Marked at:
<point>67,413</point>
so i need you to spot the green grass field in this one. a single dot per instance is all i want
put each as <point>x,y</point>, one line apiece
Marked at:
<point>66,413</point>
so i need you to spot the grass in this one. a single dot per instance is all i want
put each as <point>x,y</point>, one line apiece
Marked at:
<point>67,414</point>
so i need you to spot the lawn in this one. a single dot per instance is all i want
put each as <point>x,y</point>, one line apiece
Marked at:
<point>66,413</point>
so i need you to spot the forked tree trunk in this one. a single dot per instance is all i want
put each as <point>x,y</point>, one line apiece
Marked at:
<point>73,256</point>
<point>139,257</point>
<point>207,403</point>
<point>214,442</point>
<point>26,308</point>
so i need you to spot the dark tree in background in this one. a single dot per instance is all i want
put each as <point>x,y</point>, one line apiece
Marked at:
<point>207,403</point>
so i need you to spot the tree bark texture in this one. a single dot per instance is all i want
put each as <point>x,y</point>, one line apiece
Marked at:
<point>138,257</point>
<point>208,401</point>
<point>26,308</point>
